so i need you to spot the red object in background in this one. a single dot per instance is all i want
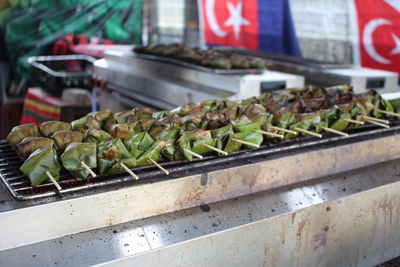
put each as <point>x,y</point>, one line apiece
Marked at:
<point>379,33</point>
<point>69,41</point>
<point>40,107</point>
<point>231,23</point>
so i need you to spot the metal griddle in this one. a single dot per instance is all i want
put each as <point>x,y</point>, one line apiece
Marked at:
<point>188,64</point>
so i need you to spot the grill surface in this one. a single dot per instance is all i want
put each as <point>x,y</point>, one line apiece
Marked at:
<point>187,64</point>
<point>19,185</point>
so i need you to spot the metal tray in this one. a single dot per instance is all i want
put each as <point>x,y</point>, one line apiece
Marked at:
<point>188,64</point>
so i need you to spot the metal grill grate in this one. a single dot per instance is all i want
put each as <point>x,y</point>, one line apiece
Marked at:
<point>19,185</point>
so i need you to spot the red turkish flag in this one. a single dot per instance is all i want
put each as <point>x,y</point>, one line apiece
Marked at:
<point>379,33</point>
<point>230,23</point>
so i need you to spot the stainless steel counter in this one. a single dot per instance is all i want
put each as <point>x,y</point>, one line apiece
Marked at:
<point>196,235</point>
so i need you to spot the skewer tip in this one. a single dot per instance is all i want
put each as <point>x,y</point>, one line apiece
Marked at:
<point>53,180</point>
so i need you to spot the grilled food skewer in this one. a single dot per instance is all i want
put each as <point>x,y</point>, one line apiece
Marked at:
<point>378,123</point>
<point>369,118</point>
<point>193,153</point>
<point>246,143</point>
<point>54,181</point>
<point>83,164</point>
<point>354,121</point>
<point>131,173</point>
<point>216,149</point>
<point>159,166</point>
<point>389,113</point>
<point>334,131</point>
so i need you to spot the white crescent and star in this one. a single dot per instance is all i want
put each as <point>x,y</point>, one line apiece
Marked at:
<point>369,30</point>
<point>212,21</point>
<point>236,20</point>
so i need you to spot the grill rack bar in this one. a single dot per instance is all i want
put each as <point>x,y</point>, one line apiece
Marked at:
<point>19,186</point>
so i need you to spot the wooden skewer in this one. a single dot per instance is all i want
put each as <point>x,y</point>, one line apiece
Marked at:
<point>245,143</point>
<point>129,171</point>
<point>193,154</point>
<point>216,149</point>
<point>269,134</point>
<point>83,164</point>
<point>389,113</point>
<point>158,166</point>
<point>283,130</point>
<point>376,119</point>
<point>308,132</point>
<point>378,123</point>
<point>354,121</point>
<point>53,180</point>
<point>335,131</point>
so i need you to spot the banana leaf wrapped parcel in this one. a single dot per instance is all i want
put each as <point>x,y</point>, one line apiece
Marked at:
<point>84,123</point>
<point>48,128</point>
<point>40,161</point>
<point>96,136</point>
<point>153,152</point>
<point>138,143</point>
<point>63,138</point>
<point>20,132</point>
<point>29,144</point>
<point>75,154</point>
<point>111,154</point>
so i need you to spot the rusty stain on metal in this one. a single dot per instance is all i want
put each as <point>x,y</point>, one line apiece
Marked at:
<point>320,238</point>
<point>300,227</point>
<point>192,196</point>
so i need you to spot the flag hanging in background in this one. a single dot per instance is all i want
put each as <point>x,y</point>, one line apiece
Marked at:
<point>253,24</point>
<point>379,33</point>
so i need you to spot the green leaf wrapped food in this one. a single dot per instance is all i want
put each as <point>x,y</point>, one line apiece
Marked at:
<point>111,154</point>
<point>84,123</point>
<point>334,118</point>
<point>29,144</point>
<point>140,114</point>
<point>221,136</point>
<point>153,152</point>
<point>74,154</point>
<point>40,161</point>
<point>395,104</point>
<point>20,132</point>
<point>138,143</point>
<point>245,125</point>
<point>96,136</point>
<point>63,138</point>
<point>101,115</point>
<point>310,122</point>
<point>123,130</point>
<point>231,145</point>
<point>48,128</point>
<point>170,151</point>
<point>198,138</point>
<point>184,143</point>
<point>382,104</point>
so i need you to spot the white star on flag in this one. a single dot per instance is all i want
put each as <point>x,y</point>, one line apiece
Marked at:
<point>235,18</point>
<point>395,50</point>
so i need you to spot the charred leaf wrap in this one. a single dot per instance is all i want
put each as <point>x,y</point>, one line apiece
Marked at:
<point>110,154</point>
<point>48,128</point>
<point>38,163</point>
<point>63,138</point>
<point>30,144</point>
<point>20,132</point>
<point>96,136</point>
<point>74,154</point>
<point>139,143</point>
